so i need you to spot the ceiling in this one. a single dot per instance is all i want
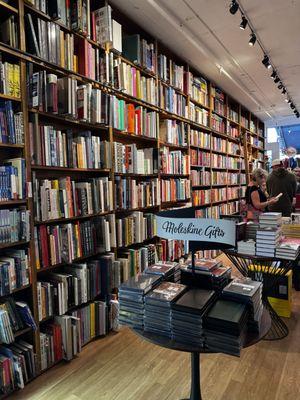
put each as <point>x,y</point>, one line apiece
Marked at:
<point>207,36</point>
<point>291,136</point>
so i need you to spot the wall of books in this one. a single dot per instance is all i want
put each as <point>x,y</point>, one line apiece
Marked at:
<point>101,127</point>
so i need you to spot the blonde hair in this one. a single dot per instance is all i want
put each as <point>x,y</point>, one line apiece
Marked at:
<point>258,174</point>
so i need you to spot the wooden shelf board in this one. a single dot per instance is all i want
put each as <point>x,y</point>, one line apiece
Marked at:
<point>69,219</point>
<point>11,203</point>
<point>8,7</point>
<point>12,146</point>
<point>14,244</point>
<point>8,97</point>
<point>71,170</point>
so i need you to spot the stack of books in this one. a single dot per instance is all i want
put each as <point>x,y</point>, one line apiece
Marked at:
<point>187,314</point>
<point>268,236</point>
<point>246,247</point>
<point>131,298</point>
<point>251,228</point>
<point>225,327</point>
<point>210,273</point>
<point>245,290</point>
<point>288,249</point>
<point>168,270</point>
<point>158,307</point>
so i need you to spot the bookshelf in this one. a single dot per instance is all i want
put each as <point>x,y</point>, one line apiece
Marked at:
<point>165,136</point>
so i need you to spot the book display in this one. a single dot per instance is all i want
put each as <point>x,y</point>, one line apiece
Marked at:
<point>101,127</point>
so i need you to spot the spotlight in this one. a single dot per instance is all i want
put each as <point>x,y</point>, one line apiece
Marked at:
<point>276,80</point>
<point>234,6</point>
<point>280,86</point>
<point>252,39</point>
<point>297,115</point>
<point>266,62</point>
<point>273,75</point>
<point>283,91</point>
<point>287,100</point>
<point>292,106</point>
<point>244,23</point>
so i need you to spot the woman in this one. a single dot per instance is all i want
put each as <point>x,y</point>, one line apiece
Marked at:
<point>256,200</point>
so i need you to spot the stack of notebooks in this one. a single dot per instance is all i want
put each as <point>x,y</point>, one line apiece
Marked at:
<point>251,228</point>
<point>168,270</point>
<point>225,327</point>
<point>131,298</point>
<point>268,235</point>
<point>210,274</point>
<point>187,313</point>
<point>158,307</point>
<point>288,249</point>
<point>246,247</point>
<point>245,290</point>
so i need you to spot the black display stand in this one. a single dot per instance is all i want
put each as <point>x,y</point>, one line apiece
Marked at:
<point>268,270</point>
<point>195,392</point>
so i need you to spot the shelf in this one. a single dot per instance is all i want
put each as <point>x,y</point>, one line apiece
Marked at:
<point>17,290</point>
<point>22,331</point>
<point>198,104</point>
<point>233,169</point>
<point>128,135</point>
<point>201,186</point>
<point>129,174</point>
<point>144,71</point>
<point>179,91</point>
<point>219,152</point>
<point>219,114</point>
<point>8,97</point>
<point>233,122</point>
<point>199,147</point>
<point>15,244</point>
<point>134,100</point>
<point>200,126</point>
<point>220,168</point>
<point>66,220</point>
<point>126,210</point>
<point>200,166</point>
<point>12,203</point>
<point>143,243</point>
<point>172,203</point>
<point>76,260</point>
<point>163,175</point>
<point>169,115</point>
<point>174,146</point>
<point>8,7</point>
<point>69,170</point>
<point>234,155</point>
<point>12,146</point>
<point>68,120</point>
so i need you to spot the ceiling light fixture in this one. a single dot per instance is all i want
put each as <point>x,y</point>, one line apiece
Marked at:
<point>276,80</point>
<point>283,91</point>
<point>244,23</point>
<point>280,86</point>
<point>273,75</point>
<point>252,39</point>
<point>287,100</point>
<point>266,61</point>
<point>292,106</point>
<point>234,6</point>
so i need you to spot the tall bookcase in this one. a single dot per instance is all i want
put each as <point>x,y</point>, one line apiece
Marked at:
<point>211,127</point>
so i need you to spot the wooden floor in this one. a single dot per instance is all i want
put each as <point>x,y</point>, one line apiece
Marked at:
<point>124,367</point>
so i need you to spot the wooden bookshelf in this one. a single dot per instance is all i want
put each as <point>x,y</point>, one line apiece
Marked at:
<point>235,117</point>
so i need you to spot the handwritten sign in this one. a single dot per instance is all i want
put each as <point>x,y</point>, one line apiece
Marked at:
<point>219,231</point>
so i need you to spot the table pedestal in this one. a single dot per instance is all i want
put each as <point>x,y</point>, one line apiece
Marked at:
<point>195,377</point>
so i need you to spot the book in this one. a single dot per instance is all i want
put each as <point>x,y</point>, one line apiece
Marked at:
<point>14,225</point>
<point>9,78</point>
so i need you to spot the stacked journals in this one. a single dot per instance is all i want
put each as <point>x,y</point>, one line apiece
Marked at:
<point>65,148</point>
<point>133,119</point>
<point>174,162</point>
<point>131,297</point>
<point>131,194</point>
<point>158,303</point>
<point>18,366</point>
<point>65,198</point>
<point>268,236</point>
<point>11,124</point>
<point>130,159</point>
<point>289,248</point>
<point>173,132</point>
<point>10,78</point>
<point>246,247</point>
<point>14,225</point>
<point>135,228</point>
<point>187,314</point>
<point>169,271</point>
<point>175,189</point>
<point>14,270</point>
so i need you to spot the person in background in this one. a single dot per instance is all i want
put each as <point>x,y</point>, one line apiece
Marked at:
<point>256,199</point>
<point>282,181</point>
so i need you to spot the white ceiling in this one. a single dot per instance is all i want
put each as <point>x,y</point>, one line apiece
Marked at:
<point>207,36</point>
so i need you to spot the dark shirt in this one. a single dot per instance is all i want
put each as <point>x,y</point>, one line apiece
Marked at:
<point>252,189</point>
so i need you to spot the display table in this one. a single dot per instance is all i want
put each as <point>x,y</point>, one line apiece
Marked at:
<point>267,270</point>
<point>162,341</point>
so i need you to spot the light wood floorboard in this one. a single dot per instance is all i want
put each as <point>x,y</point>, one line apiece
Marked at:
<point>124,367</point>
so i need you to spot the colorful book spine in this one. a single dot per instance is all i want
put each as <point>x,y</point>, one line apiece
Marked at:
<point>174,162</point>
<point>175,190</point>
<point>14,225</point>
